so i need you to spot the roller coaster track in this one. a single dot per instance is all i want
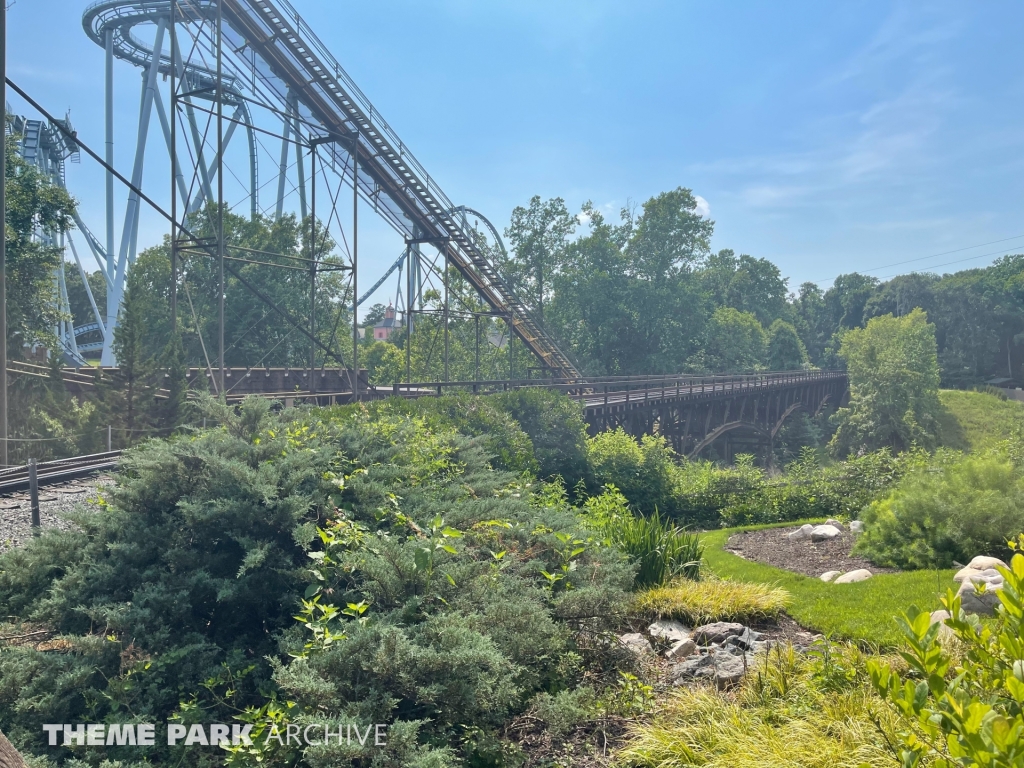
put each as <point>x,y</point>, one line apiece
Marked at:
<point>345,123</point>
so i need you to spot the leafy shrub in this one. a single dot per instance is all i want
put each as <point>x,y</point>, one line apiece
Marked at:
<point>555,426</point>
<point>699,602</point>
<point>480,417</point>
<point>701,493</point>
<point>808,490</point>
<point>959,507</point>
<point>812,710</point>
<point>643,470</point>
<point>962,705</point>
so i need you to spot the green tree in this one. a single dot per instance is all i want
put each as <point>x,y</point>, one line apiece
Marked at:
<point>785,350</point>
<point>374,315</point>
<point>747,284</point>
<point>385,363</point>
<point>255,334</point>
<point>894,385</point>
<point>135,365</point>
<point>35,205</point>
<point>670,236</point>
<point>538,236</point>
<point>627,299</point>
<point>845,300</point>
<point>902,294</point>
<point>171,411</point>
<point>810,321</point>
<point>736,342</point>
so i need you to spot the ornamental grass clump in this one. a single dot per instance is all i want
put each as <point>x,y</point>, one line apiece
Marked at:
<point>700,602</point>
<point>658,548</point>
<point>799,710</point>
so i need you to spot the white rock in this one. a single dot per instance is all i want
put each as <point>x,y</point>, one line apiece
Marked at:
<point>834,523</point>
<point>681,650</point>
<point>636,643</point>
<point>988,576</point>
<point>857,526</point>
<point>945,632</point>
<point>801,533</point>
<point>963,573</point>
<point>825,533</point>
<point>981,563</point>
<point>861,574</point>
<point>982,603</point>
<point>670,631</point>
<point>976,576</point>
<point>830,575</point>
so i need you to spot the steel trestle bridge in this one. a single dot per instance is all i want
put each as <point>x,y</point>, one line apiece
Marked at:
<point>735,412</point>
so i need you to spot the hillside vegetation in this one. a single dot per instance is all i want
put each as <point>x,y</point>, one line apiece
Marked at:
<point>976,421</point>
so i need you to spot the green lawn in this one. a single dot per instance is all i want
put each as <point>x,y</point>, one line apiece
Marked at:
<point>973,421</point>
<point>862,612</point>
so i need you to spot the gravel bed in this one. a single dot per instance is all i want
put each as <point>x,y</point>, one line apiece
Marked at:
<point>55,501</point>
<point>772,546</point>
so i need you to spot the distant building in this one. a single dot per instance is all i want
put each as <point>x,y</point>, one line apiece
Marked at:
<point>382,331</point>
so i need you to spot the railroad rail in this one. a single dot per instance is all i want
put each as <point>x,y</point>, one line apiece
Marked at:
<point>57,471</point>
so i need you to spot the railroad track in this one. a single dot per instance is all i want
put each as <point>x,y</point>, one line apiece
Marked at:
<point>58,471</point>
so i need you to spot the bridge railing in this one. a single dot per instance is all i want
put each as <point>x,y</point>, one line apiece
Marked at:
<point>613,390</point>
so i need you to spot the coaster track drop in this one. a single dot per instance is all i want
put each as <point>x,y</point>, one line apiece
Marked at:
<point>274,70</point>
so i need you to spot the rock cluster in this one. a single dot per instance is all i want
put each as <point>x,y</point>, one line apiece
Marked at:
<point>720,652</point>
<point>724,652</point>
<point>980,582</point>
<point>826,532</point>
<point>838,577</point>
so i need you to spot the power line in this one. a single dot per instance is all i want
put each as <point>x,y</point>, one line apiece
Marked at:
<point>958,261</point>
<point>934,256</point>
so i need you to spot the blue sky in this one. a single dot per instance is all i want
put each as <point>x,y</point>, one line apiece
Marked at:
<point>827,137</point>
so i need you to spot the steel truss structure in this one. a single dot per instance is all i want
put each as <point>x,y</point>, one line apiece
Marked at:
<point>255,65</point>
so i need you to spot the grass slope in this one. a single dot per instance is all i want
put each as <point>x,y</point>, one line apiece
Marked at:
<point>974,421</point>
<point>863,612</point>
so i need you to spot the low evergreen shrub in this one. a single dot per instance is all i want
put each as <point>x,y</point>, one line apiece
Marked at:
<point>948,512</point>
<point>433,592</point>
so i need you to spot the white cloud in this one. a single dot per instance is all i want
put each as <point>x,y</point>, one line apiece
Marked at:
<point>703,207</point>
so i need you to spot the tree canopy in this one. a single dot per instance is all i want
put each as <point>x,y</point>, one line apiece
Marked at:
<point>894,385</point>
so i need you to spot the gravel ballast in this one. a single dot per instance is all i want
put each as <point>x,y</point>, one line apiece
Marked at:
<point>55,502</point>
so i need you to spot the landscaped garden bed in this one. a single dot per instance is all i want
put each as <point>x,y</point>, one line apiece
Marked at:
<point>773,546</point>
